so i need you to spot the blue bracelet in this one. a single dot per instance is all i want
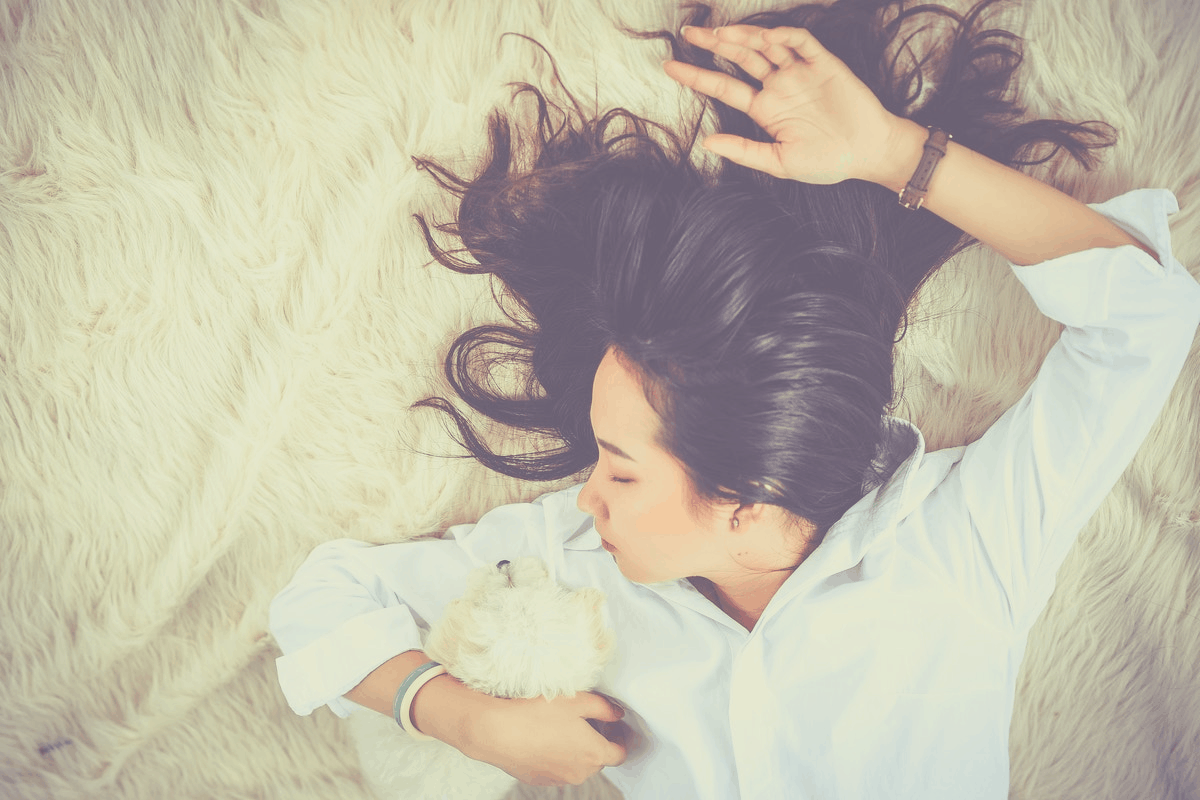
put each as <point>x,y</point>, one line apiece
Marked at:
<point>409,681</point>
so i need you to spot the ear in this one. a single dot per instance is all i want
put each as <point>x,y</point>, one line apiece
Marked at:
<point>751,513</point>
<point>724,509</point>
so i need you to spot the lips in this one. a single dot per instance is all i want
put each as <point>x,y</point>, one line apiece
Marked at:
<point>607,546</point>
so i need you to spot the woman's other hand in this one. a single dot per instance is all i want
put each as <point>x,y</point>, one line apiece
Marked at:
<point>827,124</point>
<point>548,742</point>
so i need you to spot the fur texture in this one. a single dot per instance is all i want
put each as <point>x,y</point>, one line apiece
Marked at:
<point>513,633</point>
<point>215,310</point>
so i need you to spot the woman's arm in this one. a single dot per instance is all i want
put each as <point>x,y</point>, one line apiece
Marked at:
<point>347,624</point>
<point>349,621</point>
<point>1023,219</point>
<point>351,607</point>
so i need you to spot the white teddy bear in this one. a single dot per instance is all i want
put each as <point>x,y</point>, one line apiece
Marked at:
<point>514,633</point>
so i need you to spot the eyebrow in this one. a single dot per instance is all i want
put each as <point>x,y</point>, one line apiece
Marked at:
<point>616,451</point>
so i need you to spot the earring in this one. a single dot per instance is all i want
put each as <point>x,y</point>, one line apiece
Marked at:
<point>735,523</point>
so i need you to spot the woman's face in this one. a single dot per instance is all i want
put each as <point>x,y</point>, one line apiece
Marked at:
<point>639,494</point>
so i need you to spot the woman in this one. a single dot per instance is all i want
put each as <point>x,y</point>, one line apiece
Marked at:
<point>807,604</point>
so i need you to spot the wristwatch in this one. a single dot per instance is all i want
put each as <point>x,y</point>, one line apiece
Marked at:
<point>913,195</point>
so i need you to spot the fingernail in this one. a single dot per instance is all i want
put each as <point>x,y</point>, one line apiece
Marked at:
<point>683,31</point>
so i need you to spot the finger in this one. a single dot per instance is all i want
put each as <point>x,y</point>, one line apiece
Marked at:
<point>726,88</point>
<point>614,746</point>
<point>614,755</point>
<point>600,708</point>
<point>800,40</point>
<point>749,59</point>
<point>761,156</point>
<point>752,36</point>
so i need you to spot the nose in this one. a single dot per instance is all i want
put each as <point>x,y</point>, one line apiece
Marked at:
<point>588,500</point>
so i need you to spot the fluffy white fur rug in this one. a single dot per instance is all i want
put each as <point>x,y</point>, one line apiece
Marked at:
<point>215,309</point>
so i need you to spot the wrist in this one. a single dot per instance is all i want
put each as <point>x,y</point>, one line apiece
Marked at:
<point>482,726</point>
<point>447,709</point>
<point>905,148</point>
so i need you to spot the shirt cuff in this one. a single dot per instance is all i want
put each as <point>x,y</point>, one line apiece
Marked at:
<point>1082,288</point>
<point>327,668</point>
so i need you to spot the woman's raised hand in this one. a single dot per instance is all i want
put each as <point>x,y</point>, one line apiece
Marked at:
<point>827,124</point>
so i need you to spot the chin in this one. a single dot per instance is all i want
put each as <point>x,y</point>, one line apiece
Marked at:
<point>637,576</point>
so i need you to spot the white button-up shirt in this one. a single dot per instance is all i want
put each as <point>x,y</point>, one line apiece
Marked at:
<point>886,664</point>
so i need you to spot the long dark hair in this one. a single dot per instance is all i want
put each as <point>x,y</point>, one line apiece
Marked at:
<point>759,313</point>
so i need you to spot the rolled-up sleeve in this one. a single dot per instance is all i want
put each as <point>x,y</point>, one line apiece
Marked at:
<point>1036,477</point>
<point>351,605</point>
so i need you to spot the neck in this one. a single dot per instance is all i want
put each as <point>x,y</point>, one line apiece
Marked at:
<point>744,600</point>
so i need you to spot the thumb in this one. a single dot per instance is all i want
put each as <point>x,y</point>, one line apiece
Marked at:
<point>761,156</point>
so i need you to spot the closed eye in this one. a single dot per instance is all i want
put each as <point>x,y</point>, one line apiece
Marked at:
<point>620,480</point>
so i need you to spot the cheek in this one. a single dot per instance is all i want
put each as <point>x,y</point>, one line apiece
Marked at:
<point>649,518</point>
<point>626,515</point>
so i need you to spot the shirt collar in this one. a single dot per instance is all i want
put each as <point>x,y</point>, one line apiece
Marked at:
<point>896,460</point>
<point>899,456</point>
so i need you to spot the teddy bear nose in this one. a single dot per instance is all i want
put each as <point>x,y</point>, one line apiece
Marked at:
<point>502,565</point>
